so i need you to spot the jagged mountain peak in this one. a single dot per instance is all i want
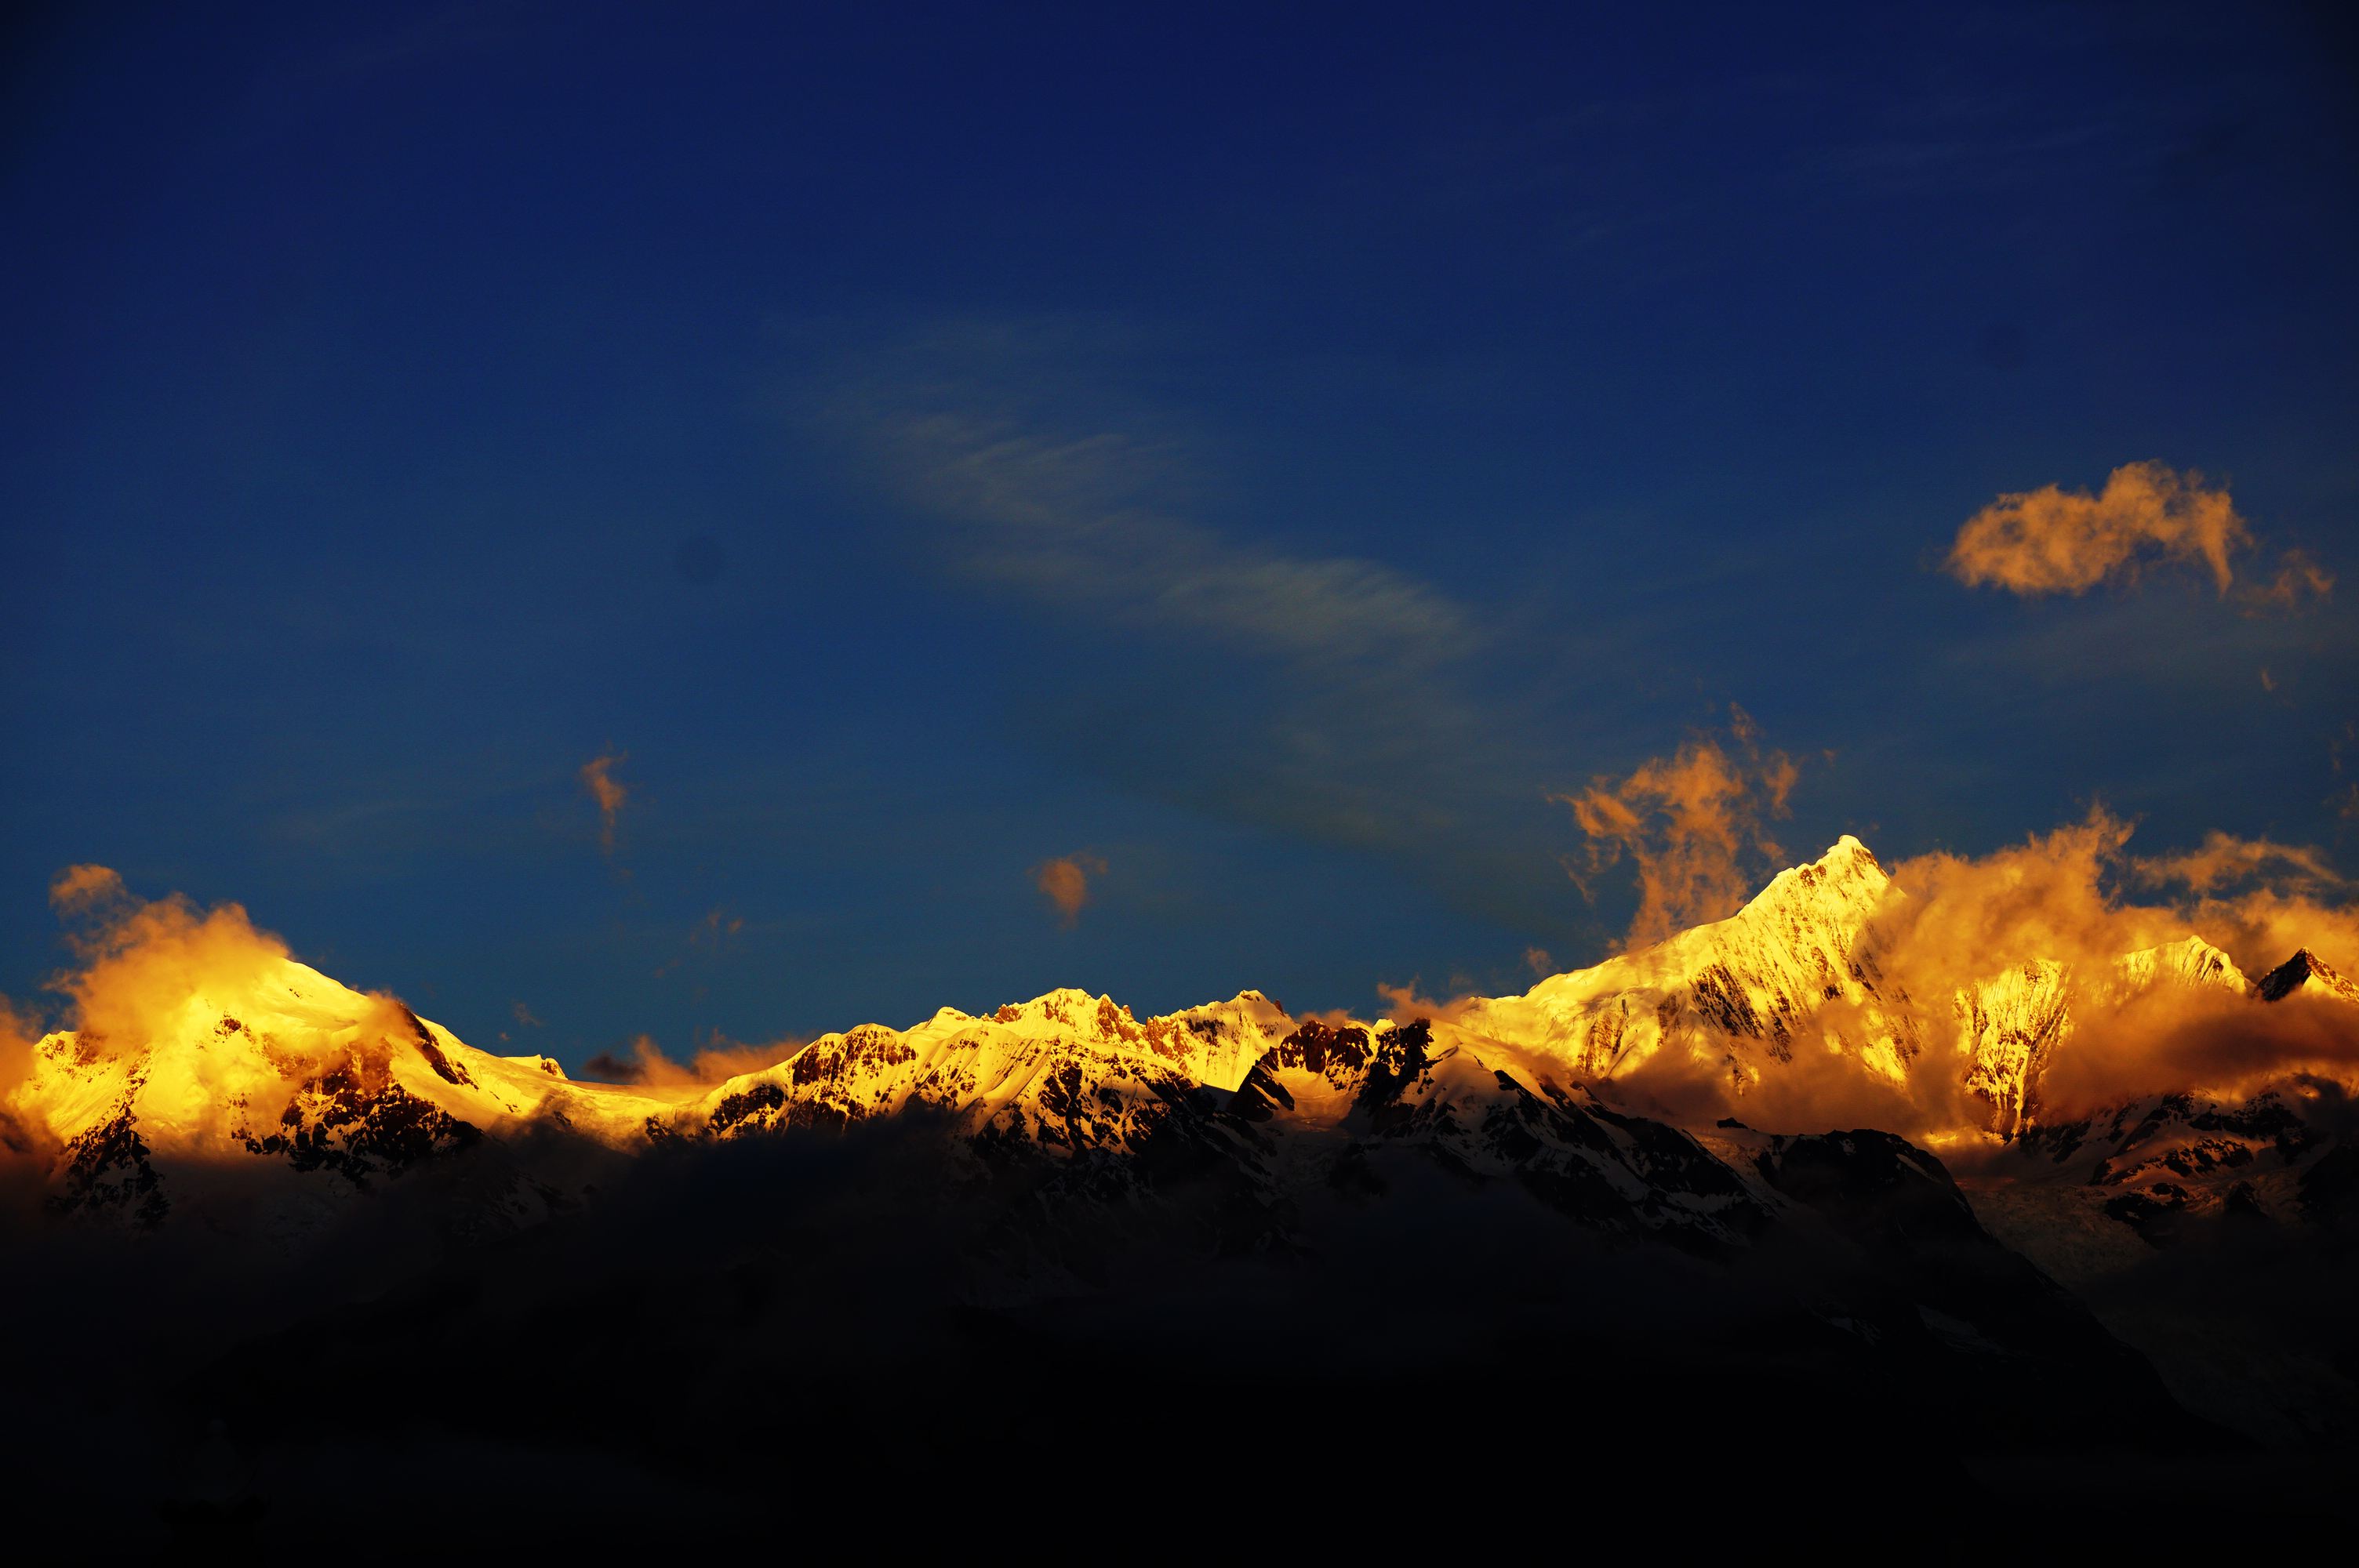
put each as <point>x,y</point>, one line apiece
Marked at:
<point>1217,1041</point>
<point>1837,895</point>
<point>273,1061</point>
<point>1848,874</point>
<point>1733,990</point>
<point>1065,1068</point>
<point>2305,974</point>
<point>2191,960</point>
<point>1824,904</point>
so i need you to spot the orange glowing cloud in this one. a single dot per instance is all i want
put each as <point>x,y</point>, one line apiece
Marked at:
<point>25,1146</point>
<point>610,792</point>
<point>1959,928</point>
<point>142,965</point>
<point>2052,540</point>
<point>2299,578</point>
<point>2224,860</point>
<point>2206,1042</point>
<point>645,1063</point>
<point>1065,883</point>
<point>142,961</point>
<point>2046,898</point>
<point>1689,824</point>
<point>80,888</point>
<point>2057,899</point>
<point>18,1035</point>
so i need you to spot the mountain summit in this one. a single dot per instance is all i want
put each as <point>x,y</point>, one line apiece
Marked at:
<point>2305,974</point>
<point>1740,995</point>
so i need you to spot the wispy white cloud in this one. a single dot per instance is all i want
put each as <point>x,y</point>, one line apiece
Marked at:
<point>1072,520</point>
<point>1333,695</point>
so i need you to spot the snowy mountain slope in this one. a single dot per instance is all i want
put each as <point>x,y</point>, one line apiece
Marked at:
<point>2190,961</point>
<point>1799,969</point>
<point>286,1067</point>
<point>2211,1232</point>
<point>1339,1100</point>
<point>2153,1163</point>
<point>1742,993</point>
<point>1066,1068</point>
<point>2011,1025</point>
<point>2008,1027</point>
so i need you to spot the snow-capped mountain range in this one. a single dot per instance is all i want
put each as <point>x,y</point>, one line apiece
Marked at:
<point>274,1115</point>
<point>288,1069</point>
<point>292,1067</point>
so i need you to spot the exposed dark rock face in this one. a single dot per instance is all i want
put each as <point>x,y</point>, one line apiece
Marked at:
<point>444,1068</point>
<point>2330,1189</point>
<point>1613,1174</point>
<point>737,1109</point>
<point>355,1121</point>
<point>2154,1213</point>
<point>107,1171</point>
<point>1880,1190</point>
<point>1337,1053</point>
<point>2291,975</point>
<point>1923,1245</point>
<point>2168,1159</point>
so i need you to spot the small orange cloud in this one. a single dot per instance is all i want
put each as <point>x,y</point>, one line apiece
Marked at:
<point>610,792</point>
<point>1537,959</point>
<point>2052,540</point>
<point>1688,823</point>
<point>1065,883</point>
<point>84,887</point>
<point>524,1016</point>
<point>2299,576</point>
<point>716,1062</point>
<point>2224,860</point>
<point>718,923</point>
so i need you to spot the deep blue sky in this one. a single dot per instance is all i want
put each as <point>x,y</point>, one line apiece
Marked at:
<point>1268,456</point>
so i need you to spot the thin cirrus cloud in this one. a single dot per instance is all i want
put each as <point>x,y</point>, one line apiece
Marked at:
<point>1333,697</point>
<point>1066,517</point>
<point>2056,541</point>
<point>2223,860</point>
